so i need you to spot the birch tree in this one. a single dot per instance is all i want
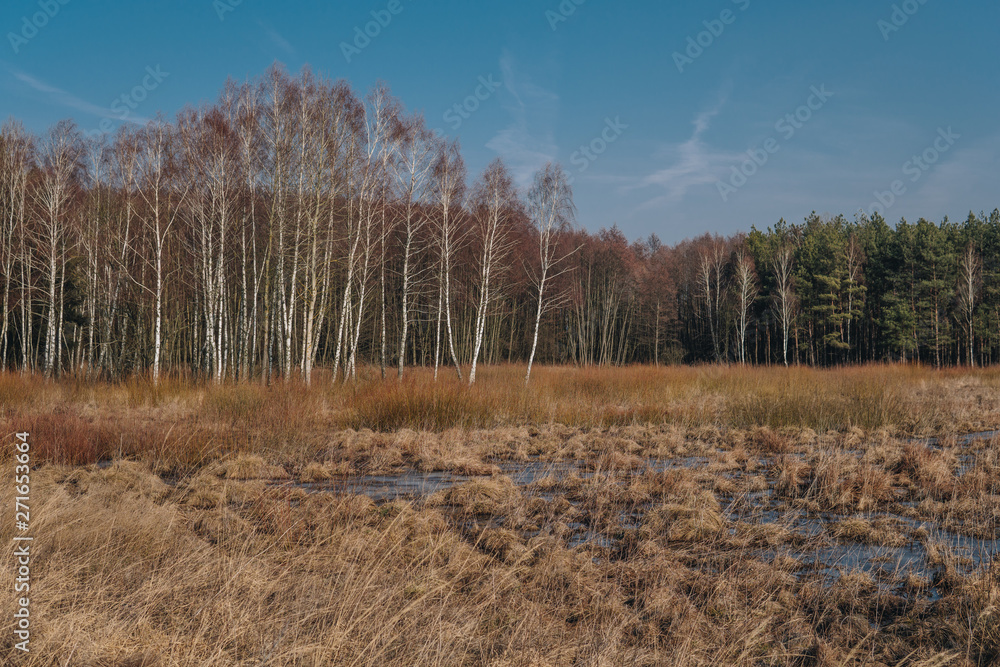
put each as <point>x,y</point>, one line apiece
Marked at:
<point>60,165</point>
<point>970,268</point>
<point>551,209</point>
<point>320,152</point>
<point>355,170</point>
<point>746,289</point>
<point>784,302</point>
<point>93,229</point>
<point>16,148</point>
<point>710,277</point>
<point>494,202</point>
<point>449,191</point>
<point>210,149</point>
<point>854,288</point>
<point>252,266</point>
<point>388,112</point>
<point>417,146</point>
<point>380,115</point>
<point>117,245</point>
<point>162,208</point>
<point>334,119</point>
<point>278,131</point>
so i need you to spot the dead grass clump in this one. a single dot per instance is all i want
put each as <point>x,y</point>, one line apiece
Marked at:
<point>662,484</point>
<point>983,593</point>
<point>832,484</point>
<point>982,478</point>
<point>931,470</point>
<point>698,518</point>
<point>504,544</point>
<point>316,472</point>
<point>854,438</point>
<point>481,497</point>
<point>759,535</point>
<point>881,532</point>
<point>872,487</point>
<point>615,461</point>
<point>247,467</point>
<point>455,451</point>
<point>134,477</point>
<point>766,441</point>
<point>208,489</point>
<point>851,589</point>
<point>220,524</point>
<point>853,529</point>
<point>756,484</point>
<point>369,451</point>
<point>793,476</point>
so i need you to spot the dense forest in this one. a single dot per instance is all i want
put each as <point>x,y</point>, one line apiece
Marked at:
<point>293,224</point>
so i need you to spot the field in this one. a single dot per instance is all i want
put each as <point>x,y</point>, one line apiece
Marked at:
<point>632,516</point>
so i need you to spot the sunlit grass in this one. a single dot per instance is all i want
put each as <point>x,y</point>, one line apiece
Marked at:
<point>195,418</point>
<point>196,547</point>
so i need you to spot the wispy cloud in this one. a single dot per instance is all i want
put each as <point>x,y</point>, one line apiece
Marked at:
<point>66,99</point>
<point>277,38</point>
<point>959,177</point>
<point>695,163</point>
<point>527,143</point>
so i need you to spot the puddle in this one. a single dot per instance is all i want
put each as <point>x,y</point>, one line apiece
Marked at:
<point>813,543</point>
<point>967,439</point>
<point>526,473</point>
<point>416,484</point>
<point>815,547</point>
<point>410,485</point>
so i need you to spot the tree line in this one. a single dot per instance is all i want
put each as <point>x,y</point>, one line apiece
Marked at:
<point>293,224</point>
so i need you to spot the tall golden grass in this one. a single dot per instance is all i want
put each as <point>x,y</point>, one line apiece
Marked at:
<point>80,421</point>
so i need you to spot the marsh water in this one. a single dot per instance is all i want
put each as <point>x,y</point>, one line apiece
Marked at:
<point>818,551</point>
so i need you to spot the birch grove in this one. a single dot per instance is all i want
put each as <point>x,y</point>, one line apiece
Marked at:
<point>294,229</point>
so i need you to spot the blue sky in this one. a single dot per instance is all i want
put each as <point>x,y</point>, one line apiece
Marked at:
<point>667,135</point>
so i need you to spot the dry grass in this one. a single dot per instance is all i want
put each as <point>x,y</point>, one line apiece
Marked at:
<point>223,571</point>
<point>196,546</point>
<point>180,424</point>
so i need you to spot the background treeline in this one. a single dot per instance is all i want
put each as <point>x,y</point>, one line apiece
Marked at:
<point>293,224</point>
